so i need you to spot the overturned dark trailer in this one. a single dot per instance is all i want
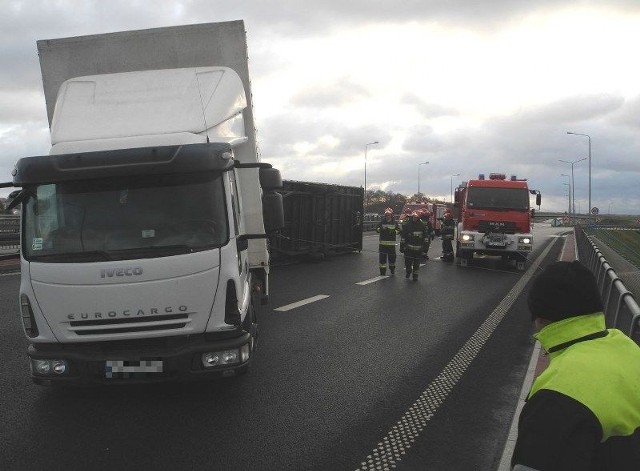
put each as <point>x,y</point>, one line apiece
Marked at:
<point>320,219</point>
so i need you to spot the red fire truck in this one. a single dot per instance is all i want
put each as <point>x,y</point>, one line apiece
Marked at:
<point>436,210</point>
<point>495,218</point>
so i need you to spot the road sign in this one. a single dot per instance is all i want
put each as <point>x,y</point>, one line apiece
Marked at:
<point>595,210</point>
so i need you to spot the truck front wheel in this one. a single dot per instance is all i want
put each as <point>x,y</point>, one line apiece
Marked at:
<point>465,257</point>
<point>250,325</point>
<point>521,261</point>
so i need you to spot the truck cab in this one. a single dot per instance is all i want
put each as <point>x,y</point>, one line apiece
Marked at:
<point>143,249</point>
<point>495,218</point>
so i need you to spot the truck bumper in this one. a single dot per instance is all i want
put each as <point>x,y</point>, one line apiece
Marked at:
<point>141,361</point>
<point>511,245</point>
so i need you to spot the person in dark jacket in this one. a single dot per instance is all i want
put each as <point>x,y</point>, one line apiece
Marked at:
<point>388,229</point>
<point>414,234</point>
<point>583,411</point>
<point>447,232</point>
<point>425,218</point>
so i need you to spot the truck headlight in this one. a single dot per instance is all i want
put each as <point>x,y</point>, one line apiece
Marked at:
<point>524,240</point>
<point>467,237</point>
<point>49,367</point>
<point>224,358</point>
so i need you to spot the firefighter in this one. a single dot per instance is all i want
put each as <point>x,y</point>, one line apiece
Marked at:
<point>414,234</point>
<point>387,228</point>
<point>425,218</point>
<point>404,216</point>
<point>447,232</point>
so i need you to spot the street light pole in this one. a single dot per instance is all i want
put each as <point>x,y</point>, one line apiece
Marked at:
<point>573,187</point>
<point>451,184</point>
<point>366,199</point>
<point>570,187</point>
<point>568,195</point>
<point>421,163</point>
<point>588,137</point>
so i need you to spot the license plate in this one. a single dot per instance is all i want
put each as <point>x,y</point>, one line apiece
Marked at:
<point>132,368</point>
<point>496,244</point>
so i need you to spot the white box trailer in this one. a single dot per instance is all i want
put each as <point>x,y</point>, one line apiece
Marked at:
<point>143,231</point>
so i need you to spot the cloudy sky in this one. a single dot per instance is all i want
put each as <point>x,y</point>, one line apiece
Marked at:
<point>469,86</point>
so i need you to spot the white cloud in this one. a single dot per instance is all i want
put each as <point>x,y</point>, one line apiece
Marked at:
<point>472,87</point>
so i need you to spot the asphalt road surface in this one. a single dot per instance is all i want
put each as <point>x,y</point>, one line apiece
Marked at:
<point>352,372</point>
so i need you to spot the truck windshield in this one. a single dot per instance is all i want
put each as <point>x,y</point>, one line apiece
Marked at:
<point>498,198</point>
<point>125,218</point>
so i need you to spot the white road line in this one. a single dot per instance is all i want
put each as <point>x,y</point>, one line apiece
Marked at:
<point>510,445</point>
<point>10,274</point>
<point>372,280</point>
<point>402,436</point>
<point>313,299</point>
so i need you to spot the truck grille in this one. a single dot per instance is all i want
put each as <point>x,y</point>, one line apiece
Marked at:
<point>126,325</point>
<point>505,227</point>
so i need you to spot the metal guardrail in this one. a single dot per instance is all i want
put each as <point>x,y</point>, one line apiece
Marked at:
<point>621,311</point>
<point>9,234</point>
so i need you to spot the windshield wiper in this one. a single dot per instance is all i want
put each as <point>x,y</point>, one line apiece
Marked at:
<point>68,257</point>
<point>124,254</point>
<point>151,251</point>
<point>491,208</point>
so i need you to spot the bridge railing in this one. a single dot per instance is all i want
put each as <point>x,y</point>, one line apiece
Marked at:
<point>9,234</point>
<point>621,310</point>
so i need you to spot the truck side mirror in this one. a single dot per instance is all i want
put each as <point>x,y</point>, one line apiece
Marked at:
<point>273,211</point>
<point>456,198</point>
<point>270,179</point>
<point>538,199</point>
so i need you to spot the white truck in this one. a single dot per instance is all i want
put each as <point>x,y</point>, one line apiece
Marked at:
<point>143,250</point>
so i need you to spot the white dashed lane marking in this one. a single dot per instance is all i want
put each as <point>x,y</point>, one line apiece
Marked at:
<point>313,299</point>
<point>404,433</point>
<point>372,280</point>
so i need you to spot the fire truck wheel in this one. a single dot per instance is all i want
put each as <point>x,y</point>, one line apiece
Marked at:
<point>465,257</point>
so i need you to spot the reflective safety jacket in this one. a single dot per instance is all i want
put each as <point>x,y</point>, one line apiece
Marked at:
<point>388,231</point>
<point>414,234</point>
<point>427,224</point>
<point>583,411</point>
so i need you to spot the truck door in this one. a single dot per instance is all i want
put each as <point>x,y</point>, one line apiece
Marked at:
<point>238,225</point>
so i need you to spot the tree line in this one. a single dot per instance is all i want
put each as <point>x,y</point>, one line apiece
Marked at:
<point>377,201</point>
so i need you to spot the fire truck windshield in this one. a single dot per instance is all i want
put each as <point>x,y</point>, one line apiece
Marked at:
<point>498,198</point>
